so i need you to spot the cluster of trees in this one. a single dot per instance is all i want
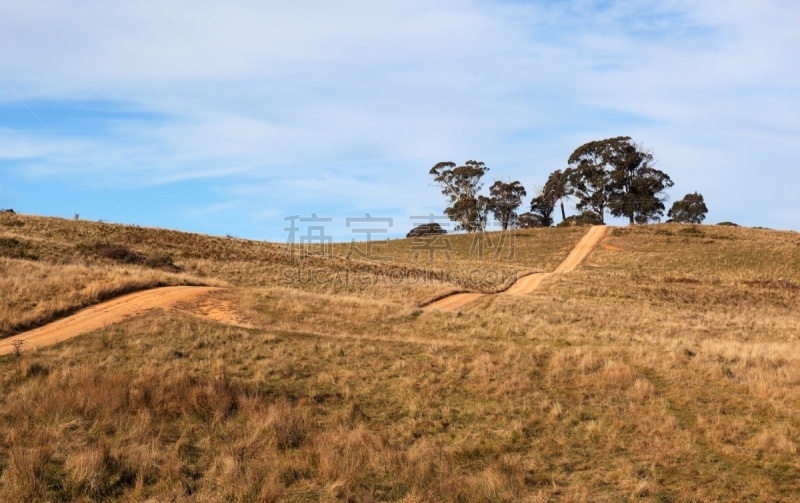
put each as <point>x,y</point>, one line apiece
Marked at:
<point>470,210</point>
<point>615,175</point>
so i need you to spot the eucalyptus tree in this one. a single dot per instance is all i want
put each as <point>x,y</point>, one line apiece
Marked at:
<point>543,205</point>
<point>589,177</point>
<point>461,184</point>
<point>558,188</point>
<point>504,199</point>
<point>691,209</point>
<point>636,188</point>
<point>618,175</point>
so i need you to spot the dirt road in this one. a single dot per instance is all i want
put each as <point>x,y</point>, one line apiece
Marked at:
<point>528,284</point>
<point>457,300</point>
<point>112,311</point>
<point>582,249</point>
<point>175,297</point>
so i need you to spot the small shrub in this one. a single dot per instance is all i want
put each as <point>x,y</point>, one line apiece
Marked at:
<point>162,261</point>
<point>426,230</point>
<point>17,346</point>
<point>728,224</point>
<point>37,370</point>
<point>118,253</point>
<point>12,248</point>
<point>585,218</point>
<point>691,232</point>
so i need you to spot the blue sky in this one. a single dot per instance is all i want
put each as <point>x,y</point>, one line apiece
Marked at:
<point>228,118</point>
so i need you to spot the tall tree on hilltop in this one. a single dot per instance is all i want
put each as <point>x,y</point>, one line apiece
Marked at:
<point>589,178</point>
<point>482,212</point>
<point>558,188</point>
<point>528,220</point>
<point>504,200</point>
<point>461,184</point>
<point>691,209</point>
<point>543,205</point>
<point>635,187</point>
<point>618,175</point>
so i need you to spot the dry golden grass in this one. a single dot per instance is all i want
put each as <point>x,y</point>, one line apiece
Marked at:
<point>54,244</point>
<point>667,370</point>
<point>34,293</point>
<point>538,250</point>
<point>718,254</point>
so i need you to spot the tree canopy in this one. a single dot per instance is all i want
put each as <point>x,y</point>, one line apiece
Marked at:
<point>691,209</point>
<point>461,184</point>
<point>504,200</point>
<point>542,206</point>
<point>589,177</point>
<point>528,220</point>
<point>431,229</point>
<point>615,175</point>
<point>635,188</point>
<point>558,188</point>
<point>618,174</point>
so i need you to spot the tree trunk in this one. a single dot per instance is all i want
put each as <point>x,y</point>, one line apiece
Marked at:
<point>631,219</point>
<point>563,214</point>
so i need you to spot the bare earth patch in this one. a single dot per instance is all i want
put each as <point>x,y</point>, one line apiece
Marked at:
<point>108,313</point>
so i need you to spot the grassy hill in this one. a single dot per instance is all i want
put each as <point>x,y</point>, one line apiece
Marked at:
<point>664,369</point>
<point>52,266</point>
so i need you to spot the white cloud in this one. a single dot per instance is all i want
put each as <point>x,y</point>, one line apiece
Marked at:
<point>450,81</point>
